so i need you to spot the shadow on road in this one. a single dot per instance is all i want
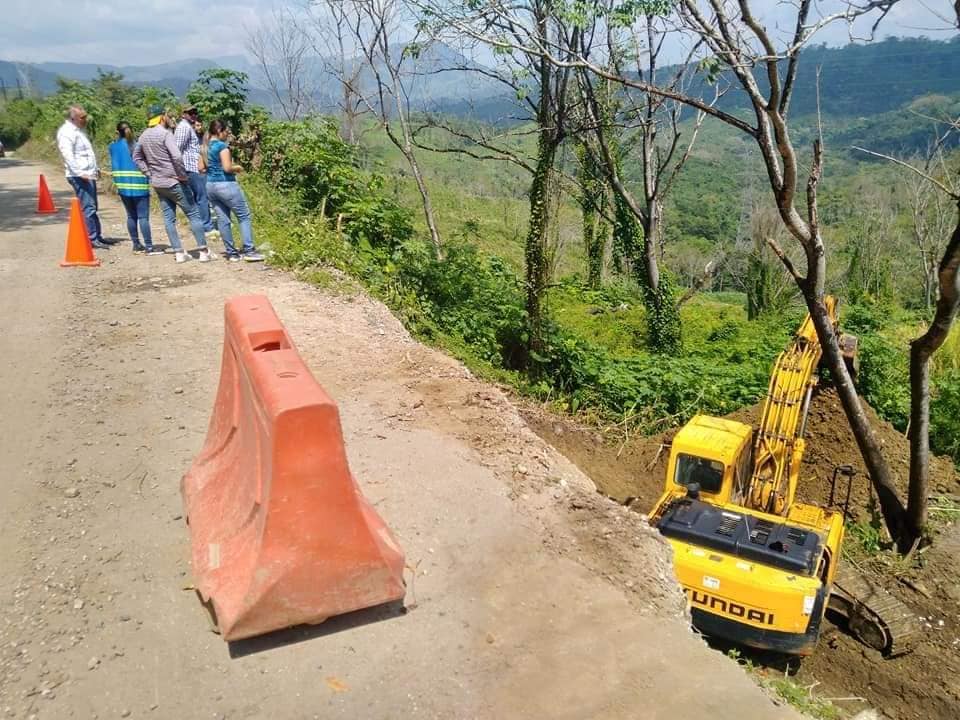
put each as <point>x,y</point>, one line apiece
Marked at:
<point>18,205</point>
<point>302,633</point>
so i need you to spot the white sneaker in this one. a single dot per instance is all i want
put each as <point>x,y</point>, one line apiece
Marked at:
<point>206,256</point>
<point>182,257</point>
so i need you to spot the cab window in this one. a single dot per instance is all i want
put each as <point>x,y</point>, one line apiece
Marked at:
<point>708,474</point>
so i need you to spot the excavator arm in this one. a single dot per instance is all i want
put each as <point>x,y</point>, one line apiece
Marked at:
<point>778,445</point>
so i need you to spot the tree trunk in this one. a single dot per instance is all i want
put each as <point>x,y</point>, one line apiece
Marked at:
<point>921,350</point>
<point>537,272</point>
<point>405,146</point>
<point>348,127</point>
<point>427,205</point>
<point>594,230</point>
<point>591,244</point>
<point>919,439</point>
<point>663,308</point>
<point>880,475</point>
<point>595,255</point>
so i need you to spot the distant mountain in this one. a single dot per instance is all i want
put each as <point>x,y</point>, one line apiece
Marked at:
<point>861,79</point>
<point>42,77</point>
<point>145,73</point>
<point>438,80</point>
<point>25,78</point>
<point>858,81</point>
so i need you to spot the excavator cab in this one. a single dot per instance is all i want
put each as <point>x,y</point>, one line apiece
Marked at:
<point>713,453</point>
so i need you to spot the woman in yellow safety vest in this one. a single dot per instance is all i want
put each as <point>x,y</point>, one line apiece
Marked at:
<point>133,188</point>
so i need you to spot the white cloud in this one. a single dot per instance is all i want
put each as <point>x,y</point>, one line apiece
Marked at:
<point>145,32</point>
<point>148,32</point>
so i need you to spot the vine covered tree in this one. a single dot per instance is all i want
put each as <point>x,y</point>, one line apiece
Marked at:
<point>544,90</point>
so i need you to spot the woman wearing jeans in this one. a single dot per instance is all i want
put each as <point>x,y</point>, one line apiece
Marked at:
<point>226,195</point>
<point>134,190</point>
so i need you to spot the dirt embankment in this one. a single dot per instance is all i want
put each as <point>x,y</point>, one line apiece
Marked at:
<point>925,683</point>
<point>635,468</point>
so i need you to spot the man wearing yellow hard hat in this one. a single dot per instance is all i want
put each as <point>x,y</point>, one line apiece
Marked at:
<point>159,159</point>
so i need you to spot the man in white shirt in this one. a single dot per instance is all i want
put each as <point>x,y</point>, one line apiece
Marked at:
<point>80,163</point>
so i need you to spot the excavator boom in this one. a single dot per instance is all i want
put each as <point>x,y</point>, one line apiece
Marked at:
<point>778,445</point>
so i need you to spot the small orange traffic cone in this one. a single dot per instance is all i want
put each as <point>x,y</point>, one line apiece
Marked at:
<point>79,250</point>
<point>45,204</point>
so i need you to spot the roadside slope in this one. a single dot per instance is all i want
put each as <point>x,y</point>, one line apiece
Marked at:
<point>533,596</point>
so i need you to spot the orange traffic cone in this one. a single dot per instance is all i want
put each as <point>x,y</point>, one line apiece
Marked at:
<point>45,204</point>
<point>79,250</point>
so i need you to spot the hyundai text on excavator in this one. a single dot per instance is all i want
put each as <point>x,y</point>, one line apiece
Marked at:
<point>758,567</point>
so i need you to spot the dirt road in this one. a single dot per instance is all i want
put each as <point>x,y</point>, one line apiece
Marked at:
<point>533,596</point>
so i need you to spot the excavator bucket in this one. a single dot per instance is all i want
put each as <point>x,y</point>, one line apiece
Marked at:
<point>280,533</point>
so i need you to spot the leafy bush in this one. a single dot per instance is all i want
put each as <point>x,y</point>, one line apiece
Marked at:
<point>866,317</point>
<point>662,389</point>
<point>16,120</point>
<point>296,240</point>
<point>309,160</point>
<point>884,379</point>
<point>945,415</point>
<point>471,296</point>
<point>221,94</point>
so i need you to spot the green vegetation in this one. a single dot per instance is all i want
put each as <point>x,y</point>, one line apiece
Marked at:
<point>332,212</point>
<point>789,690</point>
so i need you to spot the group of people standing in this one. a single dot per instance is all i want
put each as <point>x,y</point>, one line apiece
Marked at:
<point>186,168</point>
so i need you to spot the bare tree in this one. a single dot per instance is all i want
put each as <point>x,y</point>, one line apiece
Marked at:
<point>382,87</point>
<point>332,40</point>
<point>739,45</point>
<point>739,42</point>
<point>930,212</point>
<point>934,175</point>
<point>636,50</point>
<point>283,52</point>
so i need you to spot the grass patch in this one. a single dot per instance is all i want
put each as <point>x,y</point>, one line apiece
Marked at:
<point>944,510</point>
<point>800,697</point>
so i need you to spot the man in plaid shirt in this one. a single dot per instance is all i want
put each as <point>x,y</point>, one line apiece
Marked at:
<point>157,157</point>
<point>189,145</point>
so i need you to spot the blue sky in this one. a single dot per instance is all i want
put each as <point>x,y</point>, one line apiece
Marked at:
<point>147,32</point>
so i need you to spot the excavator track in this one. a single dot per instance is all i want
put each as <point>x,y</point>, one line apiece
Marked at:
<point>873,615</point>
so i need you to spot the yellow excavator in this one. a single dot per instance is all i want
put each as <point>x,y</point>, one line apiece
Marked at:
<point>758,567</point>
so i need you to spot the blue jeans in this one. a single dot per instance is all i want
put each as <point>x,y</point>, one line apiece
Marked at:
<point>228,197</point>
<point>180,196</point>
<point>86,191</point>
<point>138,213</point>
<point>198,186</point>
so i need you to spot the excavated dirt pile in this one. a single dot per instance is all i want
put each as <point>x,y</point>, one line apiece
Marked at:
<point>633,471</point>
<point>923,684</point>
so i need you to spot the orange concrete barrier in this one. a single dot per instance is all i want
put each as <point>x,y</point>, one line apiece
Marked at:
<point>45,204</point>
<point>79,251</point>
<point>280,532</point>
